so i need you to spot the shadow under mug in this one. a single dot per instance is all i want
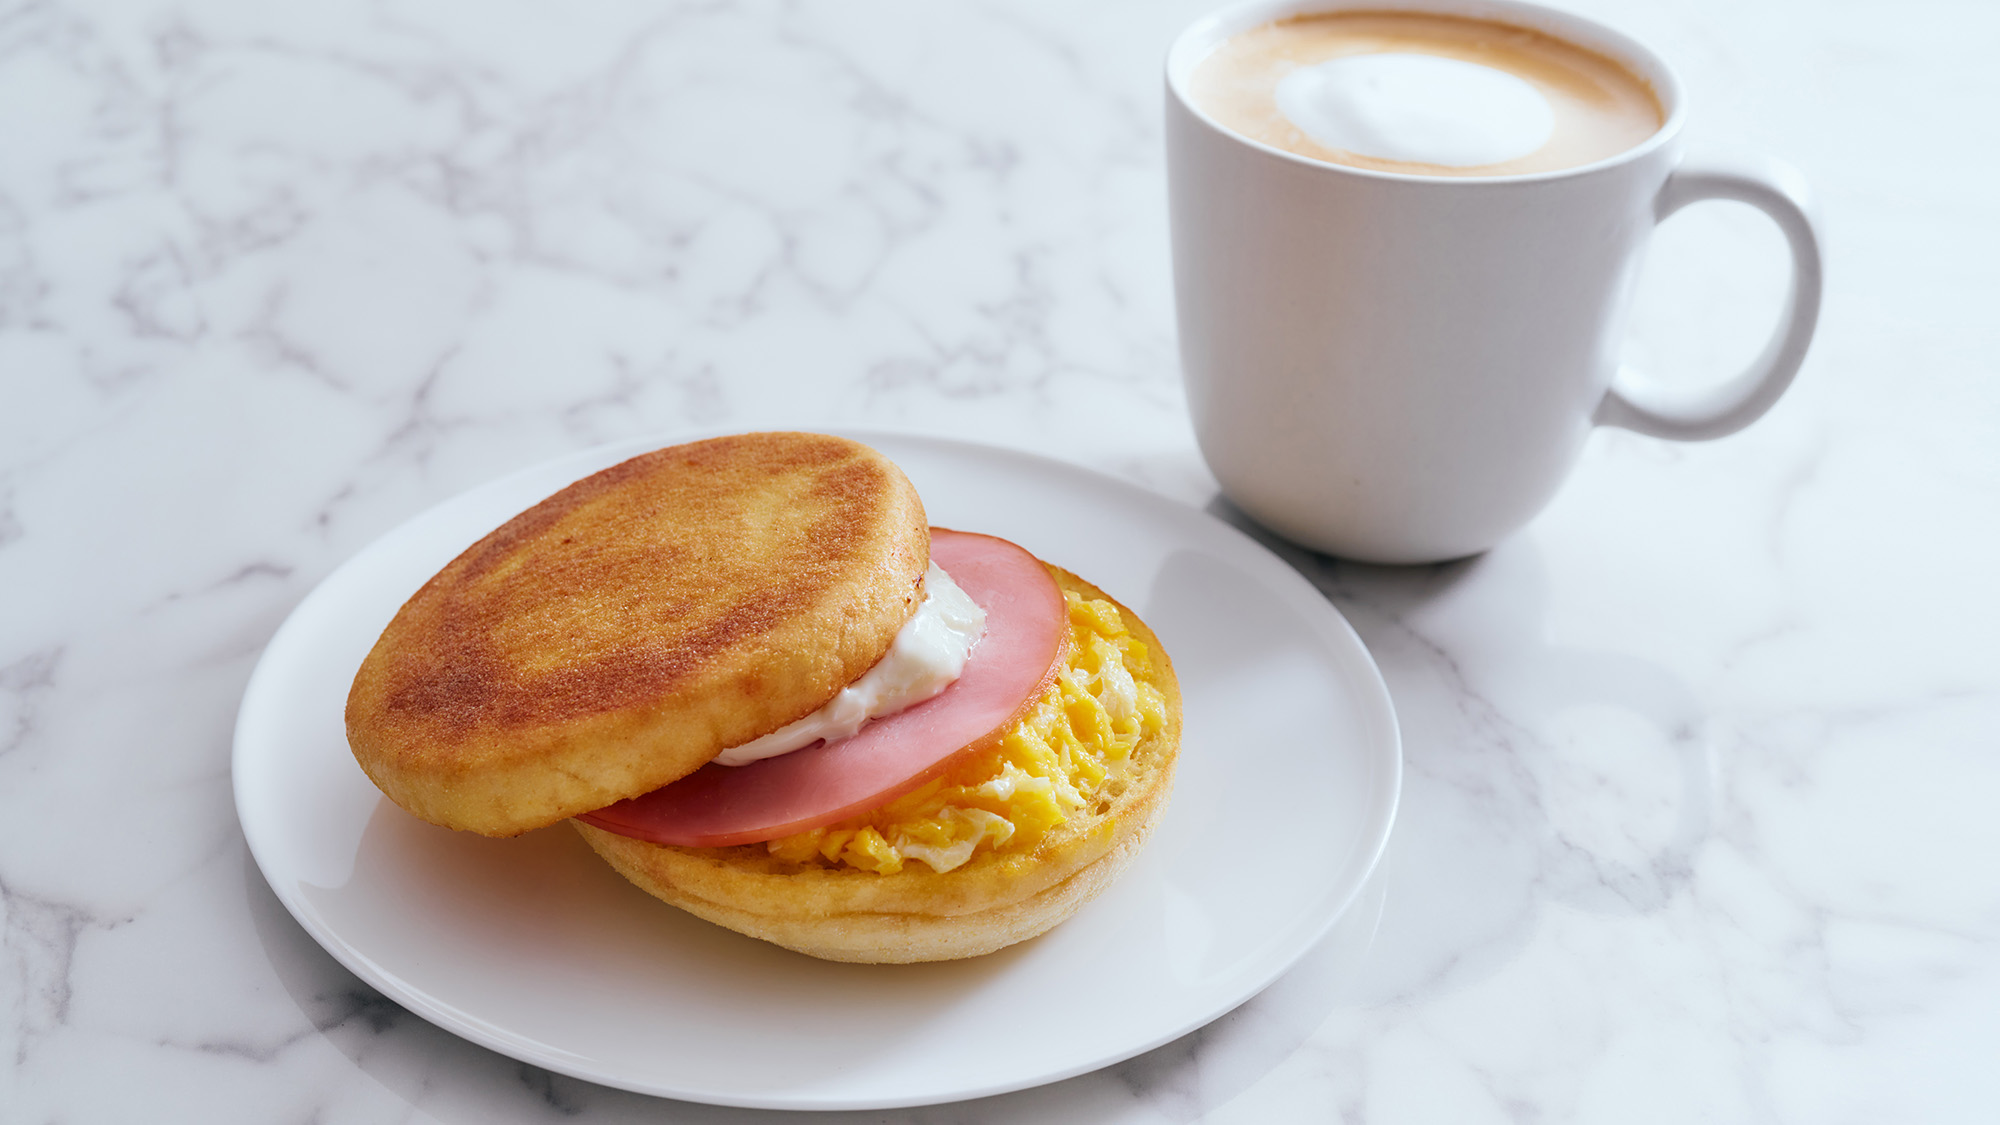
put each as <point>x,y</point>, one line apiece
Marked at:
<point>1403,368</point>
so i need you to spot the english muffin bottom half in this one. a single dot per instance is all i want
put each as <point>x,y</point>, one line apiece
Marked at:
<point>622,632</point>
<point>1108,791</point>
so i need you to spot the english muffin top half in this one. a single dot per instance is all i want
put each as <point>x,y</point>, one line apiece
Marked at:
<point>622,632</point>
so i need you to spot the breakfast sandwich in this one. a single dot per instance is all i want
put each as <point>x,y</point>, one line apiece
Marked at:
<point>767,692</point>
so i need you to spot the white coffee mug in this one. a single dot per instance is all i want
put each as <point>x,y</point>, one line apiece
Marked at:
<point>1402,368</point>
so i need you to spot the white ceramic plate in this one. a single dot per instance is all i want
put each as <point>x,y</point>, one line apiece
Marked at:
<point>1288,781</point>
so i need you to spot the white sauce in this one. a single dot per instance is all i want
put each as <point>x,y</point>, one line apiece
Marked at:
<point>927,656</point>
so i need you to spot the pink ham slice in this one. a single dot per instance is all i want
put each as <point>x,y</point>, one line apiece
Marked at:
<point>1011,667</point>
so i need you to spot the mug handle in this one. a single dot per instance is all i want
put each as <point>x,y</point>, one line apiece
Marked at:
<point>1634,402</point>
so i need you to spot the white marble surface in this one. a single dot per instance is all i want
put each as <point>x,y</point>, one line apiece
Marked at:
<point>1698,818</point>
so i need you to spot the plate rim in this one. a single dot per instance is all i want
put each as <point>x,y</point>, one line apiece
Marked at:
<point>1370,691</point>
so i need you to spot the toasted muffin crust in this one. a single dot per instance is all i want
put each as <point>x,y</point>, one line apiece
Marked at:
<point>622,632</point>
<point>996,899</point>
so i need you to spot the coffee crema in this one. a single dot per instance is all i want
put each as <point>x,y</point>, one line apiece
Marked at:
<point>1424,94</point>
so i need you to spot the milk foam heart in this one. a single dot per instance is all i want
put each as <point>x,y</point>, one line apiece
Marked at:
<point>1419,93</point>
<point>1419,109</point>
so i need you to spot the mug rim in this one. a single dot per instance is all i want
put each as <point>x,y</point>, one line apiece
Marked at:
<point>1200,38</point>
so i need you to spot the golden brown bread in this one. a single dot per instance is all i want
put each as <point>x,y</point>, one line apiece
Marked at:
<point>916,914</point>
<point>622,632</point>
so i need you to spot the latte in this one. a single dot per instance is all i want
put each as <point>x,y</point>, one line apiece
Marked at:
<point>1424,94</point>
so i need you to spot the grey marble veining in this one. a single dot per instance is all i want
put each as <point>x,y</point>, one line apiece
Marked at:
<point>1697,820</point>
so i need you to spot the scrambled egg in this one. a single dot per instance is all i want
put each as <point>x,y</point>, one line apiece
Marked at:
<point>1068,754</point>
